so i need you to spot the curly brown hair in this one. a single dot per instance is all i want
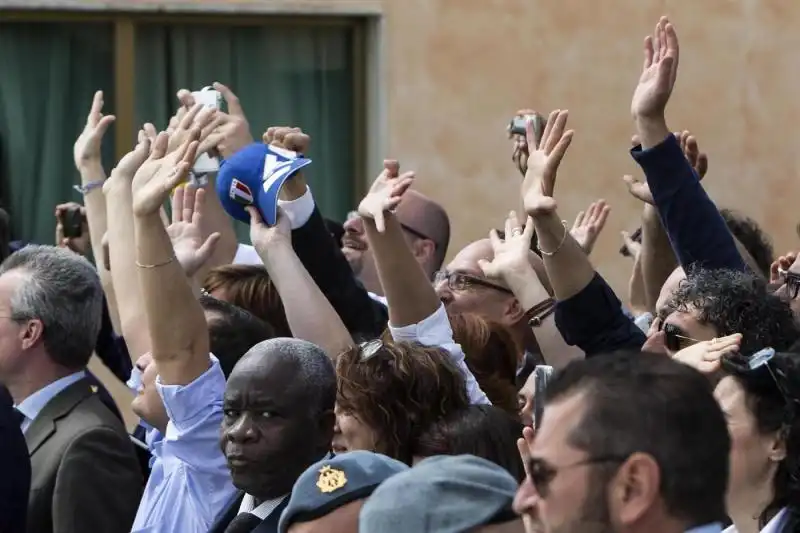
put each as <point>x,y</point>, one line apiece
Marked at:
<point>398,389</point>
<point>491,355</point>
<point>249,287</point>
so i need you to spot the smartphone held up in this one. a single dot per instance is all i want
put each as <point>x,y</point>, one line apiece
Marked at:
<point>206,164</point>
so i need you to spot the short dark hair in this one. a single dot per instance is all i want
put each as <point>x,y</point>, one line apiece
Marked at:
<point>752,237</point>
<point>480,430</point>
<point>736,301</point>
<point>648,403</point>
<point>232,332</point>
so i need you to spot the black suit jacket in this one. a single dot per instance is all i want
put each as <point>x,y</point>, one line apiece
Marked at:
<point>268,525</point>
<point>322,256</point>
<point>85,476</point>
<point>15,469</point>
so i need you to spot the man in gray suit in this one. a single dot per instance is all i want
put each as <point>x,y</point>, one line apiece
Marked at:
<point>85,476</point>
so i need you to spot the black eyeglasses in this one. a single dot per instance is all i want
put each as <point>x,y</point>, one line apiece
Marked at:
<point>458,281</point>
<point>674,338</point>
<point>418,234</point>
<point>791,281</point>
<point>543,473</point>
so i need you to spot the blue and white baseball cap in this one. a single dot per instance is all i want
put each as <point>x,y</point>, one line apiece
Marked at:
<point>254,176</point>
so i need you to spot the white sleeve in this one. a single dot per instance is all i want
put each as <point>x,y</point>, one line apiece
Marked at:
<point>298,210</point>
<point>435,330</point>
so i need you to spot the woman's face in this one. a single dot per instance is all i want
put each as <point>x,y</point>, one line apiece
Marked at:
<point>147,404</point>
<point>754,459</point>
<point>350,433</point>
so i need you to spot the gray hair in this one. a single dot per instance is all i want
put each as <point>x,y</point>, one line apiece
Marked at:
<point>315,372</point>
<point>63,291</point>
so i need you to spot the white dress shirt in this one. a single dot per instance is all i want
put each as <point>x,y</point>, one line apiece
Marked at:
<point>31,406</point>
<point>263,510</point>
<point>773,526</point>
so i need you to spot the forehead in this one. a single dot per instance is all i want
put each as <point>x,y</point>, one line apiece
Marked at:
<point>669,287</point>
<point>467,259</point>
<point>9,282</point>
<point>559,420</point>
<point>264,374</point>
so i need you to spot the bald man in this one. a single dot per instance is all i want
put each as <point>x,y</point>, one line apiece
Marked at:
<point>427,229</point>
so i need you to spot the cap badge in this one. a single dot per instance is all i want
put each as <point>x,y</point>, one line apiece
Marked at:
<point>330,479</point>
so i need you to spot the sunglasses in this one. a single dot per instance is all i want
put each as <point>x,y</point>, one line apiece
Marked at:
<point>418,234</point>
<point>792,282</point>
<point>458,281</point>
<point>674,337</point>
<point>542,473</point>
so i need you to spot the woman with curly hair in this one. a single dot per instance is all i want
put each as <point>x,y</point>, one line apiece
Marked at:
<point>389,392</point>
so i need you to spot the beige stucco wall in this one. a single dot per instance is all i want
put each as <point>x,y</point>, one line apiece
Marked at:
<point>449,73</point>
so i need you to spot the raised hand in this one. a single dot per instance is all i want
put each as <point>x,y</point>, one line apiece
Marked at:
<point>705,356</point>
<point>634,248</point>
<point>161,173</point>
<point>543,161</point>
<point>79,245</point>
<point>264,237</point>
<point>659,72</point>
<point>520,154</point>
<point>293,139</point>
<point>87,146</point>
<point>385,194</point>
<point>588,225</point>
<point>199,117</point>
<point>233,127</point>
<point>192,245</point>
<point>780,265</point>
<point>697,159</point>
<point>511,254</point>
<point>130,162</point>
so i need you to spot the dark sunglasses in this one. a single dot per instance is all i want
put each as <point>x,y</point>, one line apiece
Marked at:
<point>674,338</point>
<point>792,282</point>
<point>542,473</point>
<point>458,281</point>
<point>418,234</point>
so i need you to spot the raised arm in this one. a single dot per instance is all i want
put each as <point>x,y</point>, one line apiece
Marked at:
<point>309,314</point>
<point>175,319</point>
<point>695,227</point>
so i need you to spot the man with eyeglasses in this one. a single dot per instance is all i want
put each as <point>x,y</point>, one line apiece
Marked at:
<point>628,442</point>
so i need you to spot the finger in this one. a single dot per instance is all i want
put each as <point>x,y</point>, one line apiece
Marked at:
<point>178,175</point>
<point>561,148</point>
<point>269,135</point>
<point>199,205</point>
<point>702,165</point>
<point>177,204</point>
<point>602,217</point>
<point>529,229</point>
<point>207,249</point>
<point>186,98</point>
<point>495,239</point>
<point>648,52</point>
<point>159,146</point>
<point>205,117</point>
<point>529,435</point>
<point>234,107</point>
<point>103,125</point>
<point>774,275</point>
<point>255,216</point>
<point>209,128</point>
<point>530,136</point>
<point>188,119</point>
<point>635,141</point>
<point>508,227</point>
<point>524,454</point>
<point>664,74</point>
<point>181,153</point>
<point>380,224</point>
<point>578,220</point>
<point>59,232</point>
<point>392,167</point>
<point>486,268</point>
<point>673,48</point>
<point>557,132</point>
<point>657,43</point>
<point>400,188</point>
<point>548,128</point>
<point>189,196</point>
<point>95,112</point>
<point>150,131</point>
<point>297,141</point>
<point>692,150</point>
<point>280,135</point>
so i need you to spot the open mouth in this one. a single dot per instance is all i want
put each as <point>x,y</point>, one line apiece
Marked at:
<point>353,244</point>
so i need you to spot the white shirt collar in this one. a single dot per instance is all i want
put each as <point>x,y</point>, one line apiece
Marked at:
<point>263,510</point>
<point>33,404</point>
<point>771,527</point>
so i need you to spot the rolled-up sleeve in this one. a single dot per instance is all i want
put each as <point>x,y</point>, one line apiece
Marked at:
<point>299,210</point>
<point>435,331</point>
<point>593,321</point>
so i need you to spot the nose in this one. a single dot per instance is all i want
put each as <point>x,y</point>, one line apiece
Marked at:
<point>241,431</point>
<point>526,499</point>
<point>655,343</point>
<point>353,225</point>
<point>443,291</point>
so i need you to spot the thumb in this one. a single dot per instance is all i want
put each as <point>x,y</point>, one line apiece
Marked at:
<point>255,216</point>
<point>104,123</point>
<point>206,250</point>
<point>485,266</point>
<point>630,181</point>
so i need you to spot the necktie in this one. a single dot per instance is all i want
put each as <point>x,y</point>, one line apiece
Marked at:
<point>18,417</point>
<point>243,523</point>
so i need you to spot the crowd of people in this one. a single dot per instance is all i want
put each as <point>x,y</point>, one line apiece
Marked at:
<point>346,378</point>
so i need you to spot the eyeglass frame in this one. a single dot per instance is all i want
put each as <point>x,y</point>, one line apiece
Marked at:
<point>672,339</point>
<point>444,275</point>
<point>546,476</point>
<point>416,233</point>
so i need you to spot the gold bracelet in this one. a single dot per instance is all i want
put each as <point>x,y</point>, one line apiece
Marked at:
<point>563,240</point>
<point>156,265</point>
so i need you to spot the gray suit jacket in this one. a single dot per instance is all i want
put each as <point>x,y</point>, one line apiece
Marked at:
<point>85,476</point>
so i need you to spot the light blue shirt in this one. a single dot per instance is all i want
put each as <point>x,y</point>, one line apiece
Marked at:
<point>189,483</point>
<point>716,527</point>
<point>33,404</point>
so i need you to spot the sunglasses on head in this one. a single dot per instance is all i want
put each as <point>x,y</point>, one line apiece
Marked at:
<point>542,473</point>
<point>674,337</point>
<point>792,282</point>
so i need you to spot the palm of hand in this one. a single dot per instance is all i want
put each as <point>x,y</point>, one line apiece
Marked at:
<point>378,198</point>
<point>648,93</point>
<point>509,256</point>
<point>148,187</point>
<point>263,236</point>
<point>187,239</point>
<point>86,146</point>
<point>583,235</point>
<point>537,187</point>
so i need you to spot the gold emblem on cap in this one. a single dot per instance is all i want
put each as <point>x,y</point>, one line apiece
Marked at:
<point>330,479</point>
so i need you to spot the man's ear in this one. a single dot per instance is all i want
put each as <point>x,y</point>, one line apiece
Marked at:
<point>513,312</point>
<point>634,489</point>
<point>31,333</point>
<point>423,249</point>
